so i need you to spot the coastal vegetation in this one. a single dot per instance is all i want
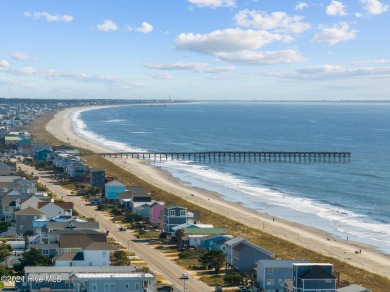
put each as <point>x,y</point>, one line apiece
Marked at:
<point>283,249</point>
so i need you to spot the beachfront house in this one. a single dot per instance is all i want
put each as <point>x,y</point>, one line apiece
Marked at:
<point>243,255</point>
<point>174,216</point>
<point>42,154</point>
<point>113,189</point>
<point>271,274</point>
<point>216,242</point>
<point>308,277</point>
<point>154,212</point>
<point>97,178</point>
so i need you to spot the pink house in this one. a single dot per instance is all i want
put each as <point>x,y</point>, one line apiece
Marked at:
<point>154,212</point>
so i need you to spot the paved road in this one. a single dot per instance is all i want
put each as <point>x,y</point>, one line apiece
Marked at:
<point>152,257</point>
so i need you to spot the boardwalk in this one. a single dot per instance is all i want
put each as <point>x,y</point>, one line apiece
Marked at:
<point>236,156</point>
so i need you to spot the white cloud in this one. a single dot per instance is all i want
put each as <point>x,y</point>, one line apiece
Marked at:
<point>262,58</point>
<point>374,7</point>
<point>107,25</point>
<point>145,28</point>
<point>275,21</point>
<point>238,46</point>
<point>191,66</point>
<point>332,35</point>
<point>4,64</point>
<point>227,40</point>
<point>331,71</point>
<point>20,56</point>
<point>161,76</point>
<point>300,6</point>
<point>49,17</point>
<point>336,8</point>
<point>213,3</point>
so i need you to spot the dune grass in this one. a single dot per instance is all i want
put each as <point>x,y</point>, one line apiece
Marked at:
<point>282,248</point>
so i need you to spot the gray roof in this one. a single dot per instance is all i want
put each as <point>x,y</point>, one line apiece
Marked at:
<point>114,183</point>
<point>353,288</point>
<point>29,211</point>
<point>70,256</point>
<point>100,246</point>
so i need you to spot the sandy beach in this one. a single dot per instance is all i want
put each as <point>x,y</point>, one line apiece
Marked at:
<point>369,259</point>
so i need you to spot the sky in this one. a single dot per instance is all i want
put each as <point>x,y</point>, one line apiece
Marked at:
<point>195,49</point>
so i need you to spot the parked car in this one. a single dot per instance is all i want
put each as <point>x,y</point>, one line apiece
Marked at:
<point>165,288</point>
<point>122,228</point>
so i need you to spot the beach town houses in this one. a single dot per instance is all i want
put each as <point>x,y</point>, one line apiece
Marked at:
<point>42,154</point>
<point>271,274</point>
<point>243,255</point>
<point>113,188</point>
<point>308,277</point>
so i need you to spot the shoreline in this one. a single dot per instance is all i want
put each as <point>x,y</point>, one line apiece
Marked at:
<point>313,239</point>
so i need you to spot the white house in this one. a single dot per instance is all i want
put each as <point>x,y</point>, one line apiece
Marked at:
<point>54,209</point>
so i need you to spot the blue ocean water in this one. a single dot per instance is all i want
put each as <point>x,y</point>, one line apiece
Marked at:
<point>345,199</point>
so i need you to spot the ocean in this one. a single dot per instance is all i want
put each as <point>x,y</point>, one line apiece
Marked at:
<point>344,199</point>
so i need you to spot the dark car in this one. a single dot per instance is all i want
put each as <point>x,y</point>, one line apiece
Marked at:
<point>165,288</point>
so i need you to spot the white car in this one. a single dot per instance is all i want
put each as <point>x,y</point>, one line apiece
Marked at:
<point>185,276</point>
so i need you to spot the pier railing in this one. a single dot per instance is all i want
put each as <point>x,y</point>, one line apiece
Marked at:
<point>237,156</point>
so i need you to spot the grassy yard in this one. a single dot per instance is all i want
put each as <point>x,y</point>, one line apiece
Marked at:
<point>282,248</point>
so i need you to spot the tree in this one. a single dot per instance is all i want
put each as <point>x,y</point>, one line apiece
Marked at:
<point>5,250</point>
<point>179,236</point>
<point>214,259</point>
<point>233,279</point>
<point>121,258</point>
<point>32,258</point>
<point>163,235</point>
<point>4,226</point>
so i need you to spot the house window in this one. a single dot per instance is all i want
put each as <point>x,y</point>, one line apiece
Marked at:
<point>104,254</point>
<point>112,286</point>
<point>271,270</point>
<point>106,287</point>
<point>127,286</point>
<point>94,286</point>
<point>280,281</point>
<point>38,230</point>
<point>270,281</point>
<point>53,283</point>
<point>171,212</point>
<point>137,286</point>
<point>182,212</point>
<point>45,252</point>
<point>328,281</point>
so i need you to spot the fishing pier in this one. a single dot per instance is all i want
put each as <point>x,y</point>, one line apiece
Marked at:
<point>236,156</point>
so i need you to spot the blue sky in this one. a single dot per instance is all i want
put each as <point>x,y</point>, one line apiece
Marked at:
<point>195,49</point>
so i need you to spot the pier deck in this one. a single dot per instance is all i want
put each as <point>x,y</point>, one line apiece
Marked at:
<point>236,156</point>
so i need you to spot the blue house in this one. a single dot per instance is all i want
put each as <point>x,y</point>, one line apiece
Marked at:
<point>174,216</point>
<point>271,274</point>
<point>113,188</point>
<point>313,277</point>
<point>216,242</point>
